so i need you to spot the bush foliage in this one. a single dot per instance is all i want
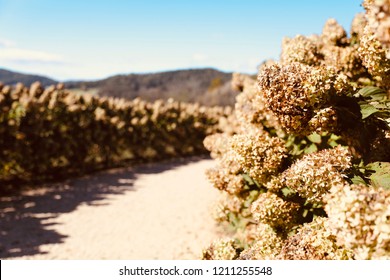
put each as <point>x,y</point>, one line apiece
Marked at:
<point>306,174</point>
<point>49,133</point>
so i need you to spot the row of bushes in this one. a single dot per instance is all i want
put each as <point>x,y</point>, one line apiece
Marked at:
<point>49,133</point>
<point>307,175</point>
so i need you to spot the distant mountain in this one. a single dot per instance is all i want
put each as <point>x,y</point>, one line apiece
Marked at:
<point>205,86</point>
<point>10,78</point>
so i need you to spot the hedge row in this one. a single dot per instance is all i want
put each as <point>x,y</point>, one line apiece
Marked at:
<point>49,133</point>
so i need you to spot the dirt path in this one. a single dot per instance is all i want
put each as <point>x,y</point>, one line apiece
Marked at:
<point>158,211</point>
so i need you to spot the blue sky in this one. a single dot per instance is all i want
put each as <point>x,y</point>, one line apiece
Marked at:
<point>92,39</point>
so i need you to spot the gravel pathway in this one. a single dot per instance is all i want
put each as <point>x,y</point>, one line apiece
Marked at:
<point>156,211</point>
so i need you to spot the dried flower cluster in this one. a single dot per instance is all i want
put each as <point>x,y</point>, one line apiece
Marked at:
<point>305,174</point>
<point>296,93</point>
<point>375,57</point>
<point>360,218</point>
<point>378,16</point>
<point>273,210</point>
<point>259,155</point>
<point>314,174</point>
<point>250,107</point>
<point>267,245</point>
<point>314,241</point>
<point>300,49</point>
<point>375,42</point>
<point>221,250</point>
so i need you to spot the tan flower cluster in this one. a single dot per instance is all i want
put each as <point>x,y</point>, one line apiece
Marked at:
<point>226,205</point>
<point>225,178</point>
<point>247,232</point>
<point>360,218</point>
<point>374,49</point>
<point>217,144</point>
<point>226,175</point>
<point>272,210</point>
<point>265,63</point>
<point>243,107</point>
<point>333,33</point>
<point>295,92</point>
<point>357,26</point>
<point>313,241</point>
<point>330,49</point>
<point>375,57</point>
<point>314,175</point>
<point>344,60</point>
<point>300,49</point>
<point>250,108</point>
<point>260,155</point>
<point>378,16</point>
<point>221,250</point>
<point>324,120</point>
<point>267,245</point>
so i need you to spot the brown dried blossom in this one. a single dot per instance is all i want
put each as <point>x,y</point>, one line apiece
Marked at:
<point>267,246</point>
<point>324,120</point>
<point>378,17</point>
<point>247,234</point>
<point>217,144</point>
<point>221,250</point>
<point>315,174</point>
<point>313,241</point>
<point>300,49</point>
<point>359,215</point>
<point>227,204</point>
<point>345,60</point>
<point>223,179</point>
<point>272,210</point>
<point>251,110</point>
<point>296,91</point>
<point>244,107</point>
<point>375,57</point>
<point>226,175</point>
<point>259,155</point>
<point>357,26</point>
<point>333,33</point>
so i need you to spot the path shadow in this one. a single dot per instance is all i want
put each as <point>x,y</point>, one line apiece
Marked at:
<point>25,217</point>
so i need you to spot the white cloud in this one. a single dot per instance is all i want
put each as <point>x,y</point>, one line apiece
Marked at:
<point>4,43</point>
<point>22,56</point>
<point>11,54</point>
<point>199,57</point>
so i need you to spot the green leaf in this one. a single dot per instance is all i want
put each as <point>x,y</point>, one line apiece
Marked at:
<point>311,149</point>
<point>315,138</point>
<point>333,143</point>
<point>232,218</point>
<point>358,180</point>
<point>374,93</point>
<point>287,192</point>
<point>248,179</point>
<point>367,110</point>
<point>381,175</point>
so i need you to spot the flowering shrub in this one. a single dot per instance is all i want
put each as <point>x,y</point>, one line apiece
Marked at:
<point>46,133</point>
<point>306,174</point>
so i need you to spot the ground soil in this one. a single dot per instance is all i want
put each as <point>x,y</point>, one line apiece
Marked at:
<point>151,211</point>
